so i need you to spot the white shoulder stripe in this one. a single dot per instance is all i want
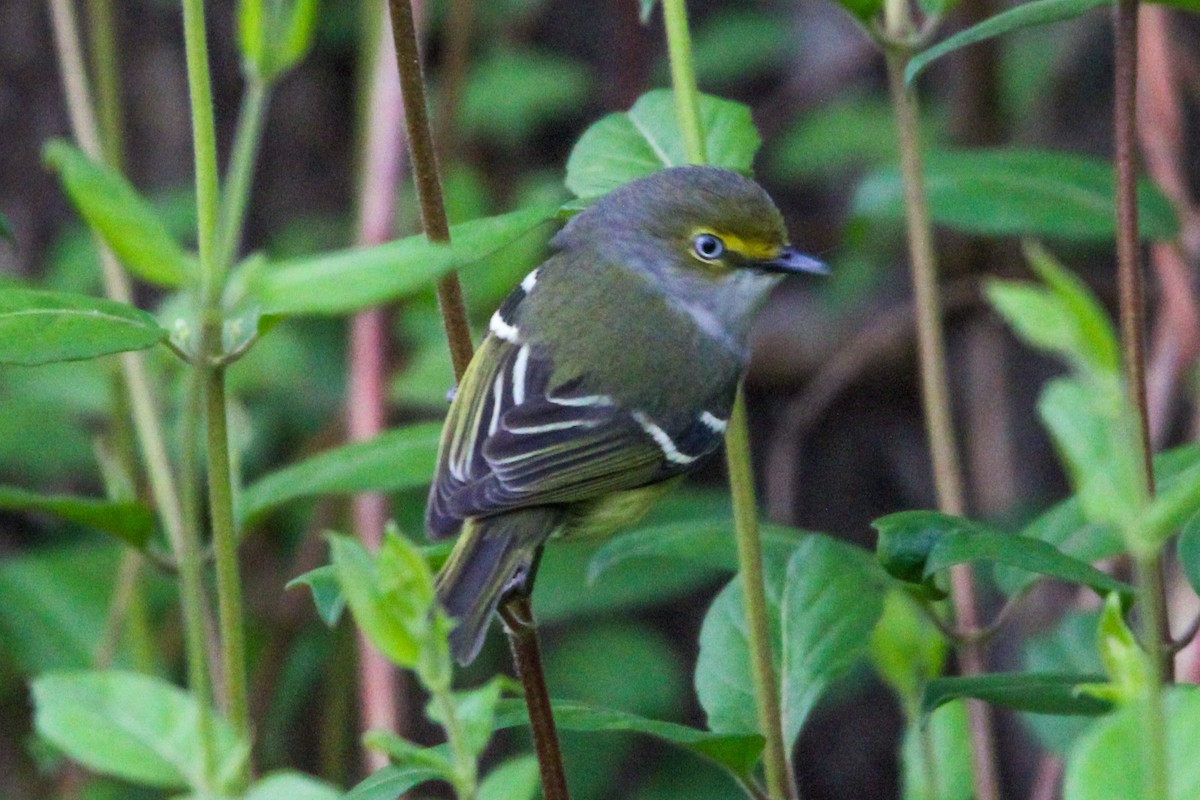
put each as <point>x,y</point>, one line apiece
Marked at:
<point>664,441</point>
<point>529,281</point>
<point>502,329</point>
<point>497,401</point>
<point>713,423</point>
<point>554,426</point>
<point>518,380</point>
<point>586,400</point>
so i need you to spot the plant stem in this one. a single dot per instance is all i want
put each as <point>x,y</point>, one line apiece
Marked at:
<point>780,781</point>
<point>429,185</point>
<point>683,78</point>
<point>146,420</point>
<point>1153,714</point>
<point>380,125</point>
<point>519,624</point>
<point>934,392</point>
<point>240,172</point>
<point>224,532</point>
<point>204,149</point>
<point>465,770</point>
<point>102,27</point>
<point>1131,294</point>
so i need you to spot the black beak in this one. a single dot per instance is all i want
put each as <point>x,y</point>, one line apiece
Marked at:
<point>791,261</point>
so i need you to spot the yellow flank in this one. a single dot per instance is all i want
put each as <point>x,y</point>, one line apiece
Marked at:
<point>613,512</point>
<point>755,249</point>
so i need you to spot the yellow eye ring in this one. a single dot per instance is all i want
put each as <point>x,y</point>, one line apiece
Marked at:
<point>708,246</point>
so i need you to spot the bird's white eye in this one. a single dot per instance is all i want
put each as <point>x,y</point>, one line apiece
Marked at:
<point>708,246</point>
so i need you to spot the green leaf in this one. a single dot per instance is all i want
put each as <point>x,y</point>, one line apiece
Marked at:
<point>645,9</point>
<point>821,611</point>
<point>1188,550</point>
<point>350,280</point>
<point>914,545</point>
<point>289,785</point>
<point>297,38</point>
<point>906,648</point>
<point>391,596</point>
<point>1061,317</point>
<point>738,44</point>
<point>737,753</point>
<point>132,523</point>
<point>1107,762</point>
<point>515,779</point>
<point>707,541</point>
<point>948,730</point>
<point>274,39</point>
<point>1011,192</point>
<point>135,727</point>
<point>122,217</point>
<point>1026,15</point>
<point>391,782</point>
<point>862,10</point>
<point>43,327</point>
<point>1093,429</point>
<point>476,711</point>
<point>404,753</point>
<point>625,146</point>
<point>403,458</point>
<point>1033,692</point>
<point>326,592</point>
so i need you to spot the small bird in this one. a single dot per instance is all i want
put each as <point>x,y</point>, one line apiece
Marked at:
<point>605,376</point>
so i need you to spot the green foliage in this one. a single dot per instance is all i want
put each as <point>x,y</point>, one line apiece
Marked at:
<point>135,727</point>
<point>326,592</point>
<point>630,145</point>
<point>43,327</point>
<point>399,459</point>
<point>950,776</point>
<point>1033,692</point>
<point>275,36</point>
<point>391,782</point>
<point>350,280</point>
<point>129,522</point>
<point>1106,763</point>
<point>735,752</point>
<point>515,779</point>
<point>289,785</point>
<point>915,545</point>
<point>1011,192</point>
<point>822,610</point>
<point>907,650</point>
<point>6,231</point>
<point>739,43</point>
<point>121,217</point>
<point>1188,551</point>
<point>1069,648</point>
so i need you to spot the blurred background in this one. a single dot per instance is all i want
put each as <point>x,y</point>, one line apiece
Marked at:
<point>834,398</point>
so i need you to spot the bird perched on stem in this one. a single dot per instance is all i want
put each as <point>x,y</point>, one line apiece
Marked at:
<point>604,378</point>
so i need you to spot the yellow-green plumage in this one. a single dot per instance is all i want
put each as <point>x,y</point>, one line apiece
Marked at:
<point>607,375</point>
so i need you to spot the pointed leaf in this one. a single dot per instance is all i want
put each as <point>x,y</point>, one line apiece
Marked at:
<point>1026,15</point>
<point>391,782</point>
<point>737,753</point>
<point>403,458</point>
<point>1188,549</point>
<point>625,146</point>
<point>948,731</point>
<point>403,753</point>
<point>122,217</point>
<point>43,327</point>
<point>914,545</point>
<point>350,280</point>
<point>132,523</point>
<point>1011,192</point>
<point>1070,647</point>
<point>1033,692</point>
<point>326,592</point>
<point>132,726</point>
<point>1107,762</point>
<point>830,597</point>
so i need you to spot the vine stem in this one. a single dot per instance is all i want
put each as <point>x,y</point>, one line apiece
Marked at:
<point>241,170</point>
<point>781,782</point>
<point>522,631</point>
<point>147,422</point>
<point>934,392</point>
<point>1155,624</point>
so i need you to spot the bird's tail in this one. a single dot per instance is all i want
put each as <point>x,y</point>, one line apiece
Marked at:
<point>490,553</point>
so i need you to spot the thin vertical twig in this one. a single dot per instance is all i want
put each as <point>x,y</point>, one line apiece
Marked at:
<point>379,684</point>
<point>522,632</point>
<point>935,394</point>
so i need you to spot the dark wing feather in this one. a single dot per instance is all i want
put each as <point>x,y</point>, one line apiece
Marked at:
<point>510,444</point>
